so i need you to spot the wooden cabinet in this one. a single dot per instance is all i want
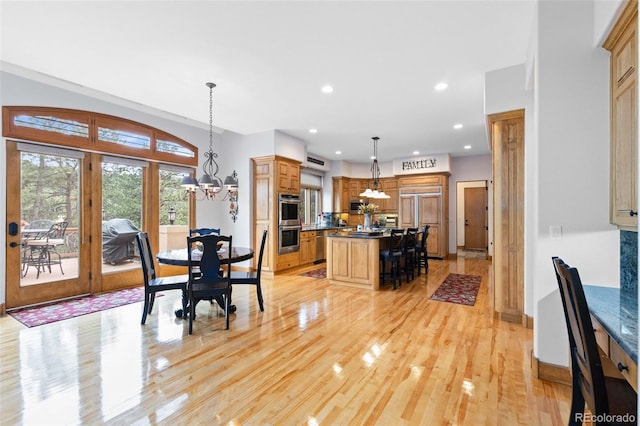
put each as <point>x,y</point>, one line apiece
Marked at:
<point>288,176</point>
<point>272,175</point>
<point>613,355</point>
<point>354,189</point>
<point>506,132</point>
<point>353,262</point>
<point>622,43</point>
<point>340,187</point>
<point>288,260</point>
<point>307,247</point>
<point>390,187</point>
<point>424,201</point>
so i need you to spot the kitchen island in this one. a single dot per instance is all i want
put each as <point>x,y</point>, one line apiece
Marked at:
<point>353,258</point>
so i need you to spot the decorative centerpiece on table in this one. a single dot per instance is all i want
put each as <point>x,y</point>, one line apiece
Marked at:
<point>367,210</point>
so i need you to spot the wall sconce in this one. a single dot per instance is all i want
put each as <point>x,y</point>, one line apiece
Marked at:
<point>172,215</point>
<point>231,185</point>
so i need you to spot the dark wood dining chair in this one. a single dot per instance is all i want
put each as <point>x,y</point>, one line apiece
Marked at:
<point>603,395</point>
<point>393,255</point>
<point>421,250</point>
<point>253,277</point>
<point>153,284</point>
<point>205,281</point>
<point>409,253</point>
<point>203,231</point>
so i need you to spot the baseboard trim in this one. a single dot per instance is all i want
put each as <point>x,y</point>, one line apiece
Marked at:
<point>550,372</point>
<point>509,317</point>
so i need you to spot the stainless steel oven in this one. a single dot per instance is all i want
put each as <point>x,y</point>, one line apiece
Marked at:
<point>288,239</point>
<point>288,210</point>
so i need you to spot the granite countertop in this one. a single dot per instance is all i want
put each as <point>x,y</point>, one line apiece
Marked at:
<point>321,228</point>
<point>357,235</point>
<point>618,314</point>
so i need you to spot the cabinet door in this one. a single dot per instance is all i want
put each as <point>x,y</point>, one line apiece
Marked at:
<point>294,178</point>
<point>288,177</point>
<point>390,205</point>
<point>624,158</point>
<point>407,212</point>
<point>430,213</point>
<point>307,247</point>
<point>624,143</point>
<point>354,189</point>
<point>344,198</point>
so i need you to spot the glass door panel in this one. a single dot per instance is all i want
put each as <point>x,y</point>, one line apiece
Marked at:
<point>46,243</point>
<point>173,209</point>
<point>50,217</point>
<point>122,212</point>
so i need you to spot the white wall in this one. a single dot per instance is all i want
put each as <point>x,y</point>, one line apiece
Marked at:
<point>571,176</point>
<point>605,15</point>
<point>289,147</point>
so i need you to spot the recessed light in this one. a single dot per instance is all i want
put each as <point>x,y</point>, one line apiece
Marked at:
<point>327,89</point>
<point>338,152</point>
<point>441,86</point>
<point>467,147</point>
<point>313,130</point>
<point>457,126</point>
<point>416,152</point>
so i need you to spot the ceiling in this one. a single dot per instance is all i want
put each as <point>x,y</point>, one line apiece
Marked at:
<point>271,59</point>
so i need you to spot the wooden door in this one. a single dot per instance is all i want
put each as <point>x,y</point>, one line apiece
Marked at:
<point>507,143</point>
<point>62,178</point>
<point>475,218</point>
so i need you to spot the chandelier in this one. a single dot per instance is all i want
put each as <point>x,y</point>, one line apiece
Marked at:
<point>375,175</point>
<point>210,184</point>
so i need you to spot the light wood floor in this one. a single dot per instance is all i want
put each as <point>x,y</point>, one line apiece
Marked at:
<point>318,355</point>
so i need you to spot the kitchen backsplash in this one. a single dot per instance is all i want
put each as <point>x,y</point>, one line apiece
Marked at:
<point>629,262</point>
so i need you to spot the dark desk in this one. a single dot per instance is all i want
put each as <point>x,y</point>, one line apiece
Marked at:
<point>616,327</point>
<point>178,257</point>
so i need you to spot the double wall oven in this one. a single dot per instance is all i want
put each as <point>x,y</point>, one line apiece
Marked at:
<point>289,224</point>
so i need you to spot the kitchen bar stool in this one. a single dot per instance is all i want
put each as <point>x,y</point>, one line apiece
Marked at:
<point>421,250</point>
<point>409,253</point>
<point>393,255</point>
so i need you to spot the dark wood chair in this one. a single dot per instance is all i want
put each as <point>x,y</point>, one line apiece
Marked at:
<point>252,278</point>
<point>409,253</point>
<point>421,250</point>
<point>393,255</point>
<point>153,284</point>
<point>203,231</point>
<point>603,395</point>
<point>205,280</point>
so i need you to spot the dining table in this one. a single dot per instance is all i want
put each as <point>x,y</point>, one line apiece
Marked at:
<point>179,257</point>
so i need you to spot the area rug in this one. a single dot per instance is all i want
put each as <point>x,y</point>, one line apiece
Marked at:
<point>57,311</point>
<point>316,273</point>
<point>458,288</point>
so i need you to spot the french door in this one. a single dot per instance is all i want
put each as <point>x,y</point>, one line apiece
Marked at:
<point>79,193</point>
<point>102,208</point>
<point>45,187</point>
